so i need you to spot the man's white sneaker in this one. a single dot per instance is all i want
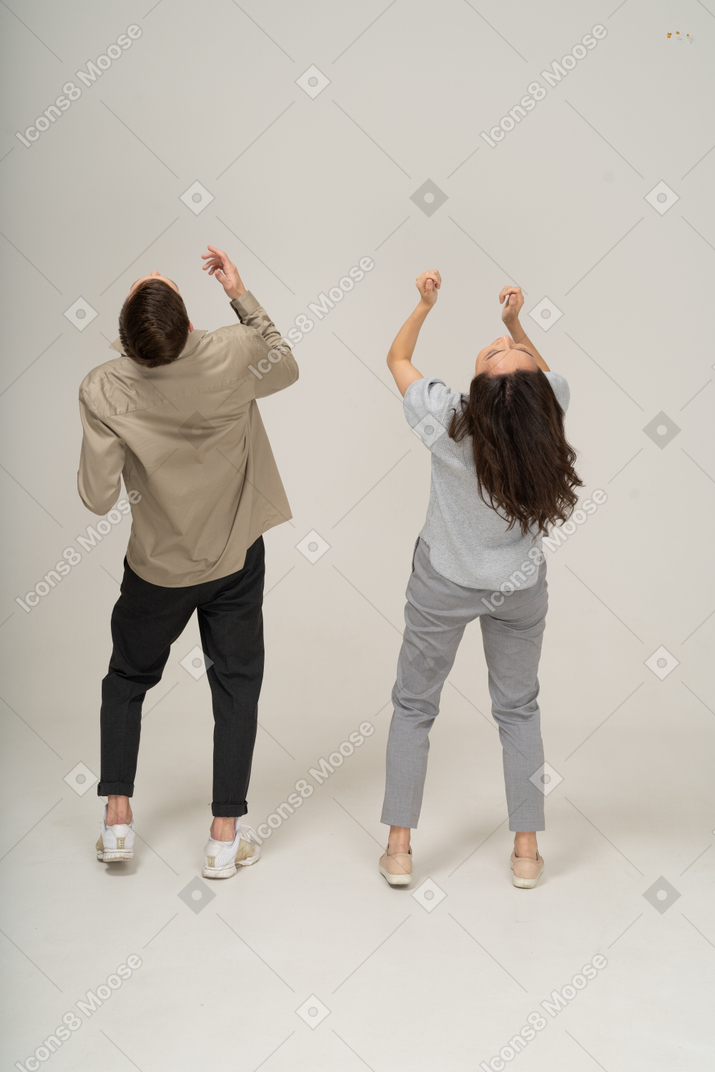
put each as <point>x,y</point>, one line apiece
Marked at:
<point>223,858</point>
<point>116,842</point>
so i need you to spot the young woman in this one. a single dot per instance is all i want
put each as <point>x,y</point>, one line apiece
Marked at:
<point>502,473</point>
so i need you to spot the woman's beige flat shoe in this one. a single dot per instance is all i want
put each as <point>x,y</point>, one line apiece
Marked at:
<point>396,867</point>
<point>526,870</point>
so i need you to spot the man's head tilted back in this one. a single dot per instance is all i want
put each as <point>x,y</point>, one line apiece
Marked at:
<point>154,324</point>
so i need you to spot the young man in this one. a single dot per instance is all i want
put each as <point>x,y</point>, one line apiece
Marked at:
<point>176,416</point>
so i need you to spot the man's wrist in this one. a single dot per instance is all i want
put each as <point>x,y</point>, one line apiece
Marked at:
<point>234,294</point>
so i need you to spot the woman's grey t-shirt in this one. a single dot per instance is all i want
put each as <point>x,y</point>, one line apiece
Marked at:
<point>468,540</point>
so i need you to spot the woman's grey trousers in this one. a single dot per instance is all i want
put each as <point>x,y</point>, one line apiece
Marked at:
<point>436,614</point>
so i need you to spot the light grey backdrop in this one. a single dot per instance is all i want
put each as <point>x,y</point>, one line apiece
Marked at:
<point>301,174</point>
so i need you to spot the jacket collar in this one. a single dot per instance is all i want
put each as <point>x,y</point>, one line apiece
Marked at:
<point>192,342</point>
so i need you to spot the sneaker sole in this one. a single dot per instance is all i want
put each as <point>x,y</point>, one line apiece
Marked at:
<point>525,883</point>
<point>115,857</point>
<point>231,869</point>
<point>396,880</point>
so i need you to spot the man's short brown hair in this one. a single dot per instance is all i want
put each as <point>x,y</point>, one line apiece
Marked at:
<point>154,324</point>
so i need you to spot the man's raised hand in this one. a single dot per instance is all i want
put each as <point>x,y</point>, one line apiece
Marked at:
<point>219,264</point>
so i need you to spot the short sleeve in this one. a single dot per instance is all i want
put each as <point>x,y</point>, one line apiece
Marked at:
<point>560,388</point>
<point>428,405</point>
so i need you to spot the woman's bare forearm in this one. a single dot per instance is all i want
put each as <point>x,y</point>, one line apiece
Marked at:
<point>403,346</point>
<point>399,358</point>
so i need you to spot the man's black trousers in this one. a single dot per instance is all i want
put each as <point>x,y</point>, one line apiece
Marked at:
<point>146,620</point>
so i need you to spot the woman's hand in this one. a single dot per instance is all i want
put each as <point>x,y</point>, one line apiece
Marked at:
<point>513,300</point>
<point>428,285</point>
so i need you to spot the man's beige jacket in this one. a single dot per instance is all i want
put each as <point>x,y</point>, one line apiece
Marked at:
<point>189,440</point>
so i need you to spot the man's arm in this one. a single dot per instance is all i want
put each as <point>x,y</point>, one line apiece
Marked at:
<point>399,357</point>
<point>514,299</point>
<point>101,461</point>
<point>268,356</point>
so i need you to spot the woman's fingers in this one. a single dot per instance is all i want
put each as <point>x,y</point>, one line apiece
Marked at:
<point>505,294</point>
<point>432,274</point>
<point>428,284</point>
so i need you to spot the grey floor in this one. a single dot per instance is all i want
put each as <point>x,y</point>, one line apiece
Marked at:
<point>308,960</point>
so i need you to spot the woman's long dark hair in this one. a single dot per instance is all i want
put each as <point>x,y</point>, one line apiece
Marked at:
<point>524,463</point>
